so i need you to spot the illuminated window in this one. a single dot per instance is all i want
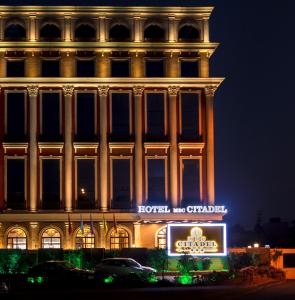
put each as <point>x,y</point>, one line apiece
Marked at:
<point>14,32</point>
<point>15,128</point>
<point>189,68</point>
<point>86,183</point>
<point>154,67</point>
<point>15,68</point>
<point>119,239</point>
<point>190,182</point>
<point>85,239</point>
<point>121,194</point>
<point>50,183</point>
<point>156,181</point>
<point>16,239</point>
<point>188,33</point>
<point>15,183</point>
<point>50,116</point>
<point>51,239</point>
<point>161,242</point>
<point>189,116</point>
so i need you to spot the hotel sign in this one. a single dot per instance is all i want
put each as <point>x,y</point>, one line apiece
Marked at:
<point>157,209</point>
<point>204,239</point>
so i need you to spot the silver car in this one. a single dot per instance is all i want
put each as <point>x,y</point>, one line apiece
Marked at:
<point>121,269</point>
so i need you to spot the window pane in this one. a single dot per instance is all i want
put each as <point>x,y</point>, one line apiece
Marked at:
<point>190,182</point>
<point>15,183</point>
<point>50,116</point>
<point>156,181</point>
<point>120,115</point>
<point>85,68</point>
<point>15,122</point>
<point>85,116</point>
<point>86,183</point>
<point>120,68</point>
<point>190,115</point>
<point>15,68</point>
<point>51,183</point>
<point>155,115</point>
<point>121,183</point>
<point>154,68</point>
<point>50,68</point>
<point>189,68</point>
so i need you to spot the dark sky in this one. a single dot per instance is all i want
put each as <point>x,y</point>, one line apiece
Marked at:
<point>254,107</point>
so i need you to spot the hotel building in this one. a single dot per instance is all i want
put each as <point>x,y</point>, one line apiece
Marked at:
<point>102,110</point>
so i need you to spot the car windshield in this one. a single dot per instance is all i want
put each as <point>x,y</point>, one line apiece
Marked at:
<point>133,263</point>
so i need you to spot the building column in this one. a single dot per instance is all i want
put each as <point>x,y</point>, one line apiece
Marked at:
<point>33,64</point>
<point>68,148</point>
<point>204,64</point>
<point>103,147</point>
<point>209,92</point>
<point>138,91</point>
<point>68,28</point>
<point>138,33</point>
<point>137,236</point>
<point>1,28</point>
<point>2,242</point>
<point>102,29</point>
<point>2,64</point>
<point>67,237</point>
<point>172,30</point>
<point>67,64</point>
<point>206,37</point>
<point>32,29</point>
<point>172,64</point>
<point>33,238</point>
<point>137,64</point>
<point>102,64</point>
<point>102,235</point>
<point>173,91</point>
<point>33,147</point>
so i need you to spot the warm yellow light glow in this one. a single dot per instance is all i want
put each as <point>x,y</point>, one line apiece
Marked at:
<point>256,245</point>
<point>83,191</point>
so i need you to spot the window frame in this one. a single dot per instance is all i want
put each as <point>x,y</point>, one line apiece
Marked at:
<point>6,158</point>
<point>120,59</point>
<point>190,157</point>
<point>41,109</point>
<point>156,59</point>
<point>188,59</point>
<point>165,158</point>
<point>157,237</point>
<point>42,238</point>
<point>25,109</point>
<point>85,59</point>
<point>130,158</point>
<point>128,237</point>
<point>199,133</point>
<point>16,238</point>
<point>165,110</point>
<point>50,59</point>
<point>15,59</point>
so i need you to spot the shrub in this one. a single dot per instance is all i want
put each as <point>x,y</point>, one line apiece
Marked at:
<point>238,261</point>
<point>186,264</point>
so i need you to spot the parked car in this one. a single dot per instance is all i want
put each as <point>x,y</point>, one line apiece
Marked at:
<point>60,272</point>
<point>123,270</point>
<point>3,288</point>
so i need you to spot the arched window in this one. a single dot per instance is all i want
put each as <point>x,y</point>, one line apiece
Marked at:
<point>119,32</point>
<point>51,239</point>
<point>161,238</point>
<point>16,239</point>
<point>15,32</point>
<point>85,239</point>
<point>154,33</point>
<point>50,31</point>
<point>119,238</point>
<point>85,32</point>
<point>188,33</point>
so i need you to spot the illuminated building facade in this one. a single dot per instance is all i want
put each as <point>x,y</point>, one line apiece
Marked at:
<point>104,110</point>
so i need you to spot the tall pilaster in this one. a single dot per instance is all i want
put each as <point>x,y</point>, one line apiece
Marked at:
<point>33,240</point>
<point>173,91</point>
<point>103,147</point>
<point>102,235</point>
<point>172,30</point>
<point>209,92</point>
<point>138,32</point>
<point>32,29</point>
<point>68,93</point>
<point>33,148</point>
<point>172,64</point>
<point>137,236</point>
<point>206,37</point>
<point>138,91</point>
<point>204,64</point>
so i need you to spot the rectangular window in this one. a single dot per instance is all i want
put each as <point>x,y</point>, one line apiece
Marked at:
<point>190,182</point>
<point>121,184</point>
<point>155,123</point>
<point>50,116</point>
<point>50,68</point>
<point>154,68</point>
<point>15,68</point>
<point>85,111</point>
<point>156,181</point>
<point>189,68</point>
<point>15,116</point>
<point>86,183</point>
<point>15,183</point>
<point>120,68</point>
<point>85,68</point>
<point>50,183</point>
<point>189,116</point>
<point>120,116</point>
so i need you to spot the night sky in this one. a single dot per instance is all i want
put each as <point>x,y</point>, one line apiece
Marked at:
<point>254,107</point>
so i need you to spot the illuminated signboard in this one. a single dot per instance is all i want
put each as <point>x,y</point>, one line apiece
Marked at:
<point>204,239</point>
<point>197,209</point>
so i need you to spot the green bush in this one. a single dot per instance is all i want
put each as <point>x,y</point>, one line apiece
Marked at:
<point>238,261</point>
<point>186,264</point>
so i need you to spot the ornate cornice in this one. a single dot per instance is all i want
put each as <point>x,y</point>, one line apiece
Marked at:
<point>103,90</point>
<point>68,90</point>
<point>173,90</point>
<point>32,90</point>
<point>138,90</point>
<point>210,90</point>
